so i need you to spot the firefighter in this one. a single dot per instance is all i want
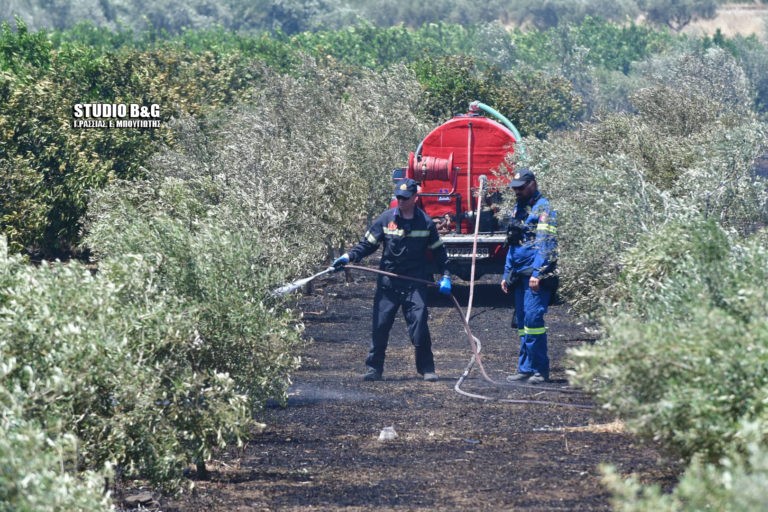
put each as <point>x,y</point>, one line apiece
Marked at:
<point>528,274</point>
<point>407,234</point>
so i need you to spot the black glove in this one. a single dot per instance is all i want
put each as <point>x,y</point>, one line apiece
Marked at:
<point>515,232</point>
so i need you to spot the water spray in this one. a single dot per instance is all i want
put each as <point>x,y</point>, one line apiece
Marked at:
<point>474,342</point>
<point>291,287</point>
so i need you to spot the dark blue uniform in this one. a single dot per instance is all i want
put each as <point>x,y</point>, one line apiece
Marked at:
<point>533,255</point>
<point>406,243</point>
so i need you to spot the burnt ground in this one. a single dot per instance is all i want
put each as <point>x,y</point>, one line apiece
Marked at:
<point>453,452</point>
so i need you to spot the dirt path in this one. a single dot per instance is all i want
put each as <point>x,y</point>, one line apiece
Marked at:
<point>322,452</point>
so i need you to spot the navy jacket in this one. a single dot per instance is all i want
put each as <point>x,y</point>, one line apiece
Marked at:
<point>406,243</point>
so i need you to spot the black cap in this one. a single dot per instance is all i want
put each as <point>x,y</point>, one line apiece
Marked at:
<point>522,177</point>
<point>406,188</point>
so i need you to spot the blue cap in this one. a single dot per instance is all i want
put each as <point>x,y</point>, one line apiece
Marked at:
<point>406,188</point>
<point>522,177</point>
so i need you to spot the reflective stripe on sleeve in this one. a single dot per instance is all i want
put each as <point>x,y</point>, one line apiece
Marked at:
<point>549,228</point>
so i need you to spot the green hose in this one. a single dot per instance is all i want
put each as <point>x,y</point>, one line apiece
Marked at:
<point>519,146</point>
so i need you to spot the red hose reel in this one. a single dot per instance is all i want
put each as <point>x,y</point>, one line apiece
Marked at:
<point>431,168</point>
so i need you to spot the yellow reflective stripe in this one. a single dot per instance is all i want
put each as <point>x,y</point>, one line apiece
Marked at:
<point>419,233</point>
<point>397,232</point>
<point>521,332</point>
<point>535,330</point>
<point>370,238</point>
<point>549,228</point>
<point>436,244</point>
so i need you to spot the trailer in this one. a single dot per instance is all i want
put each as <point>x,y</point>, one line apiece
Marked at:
<point>452,164</point>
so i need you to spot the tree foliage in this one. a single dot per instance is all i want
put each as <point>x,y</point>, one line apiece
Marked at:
<point>752,57</point>
<point>676,14</point>
<point>548,14</point>
<point>50,167</point>
<point>299,176</point>
<point>683,290</point>
<point>536,102</point>
<point>644,141</point>
<point>662,221</point>
<point>294,16</point>
<point>109,360</point>
<point>649,170</point>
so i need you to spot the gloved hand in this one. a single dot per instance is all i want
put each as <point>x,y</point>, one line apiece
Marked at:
<point>339,262</point>
<point>445,285</point>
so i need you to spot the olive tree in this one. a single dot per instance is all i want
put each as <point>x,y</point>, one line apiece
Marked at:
<point>676,14</point>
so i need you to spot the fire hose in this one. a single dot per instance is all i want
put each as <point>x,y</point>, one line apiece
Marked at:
<point>474,342</point>
<point>476,346</point>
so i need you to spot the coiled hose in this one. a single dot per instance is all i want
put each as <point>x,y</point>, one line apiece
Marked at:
<point>473,343</point>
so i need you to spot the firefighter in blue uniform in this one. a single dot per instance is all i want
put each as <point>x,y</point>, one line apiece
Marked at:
<point>407,234</point>
<point>528,274</point>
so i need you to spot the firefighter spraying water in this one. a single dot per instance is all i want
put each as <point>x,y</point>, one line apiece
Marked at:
<point>442,220</point>
<point>448,167</point>
<point>406,234</point>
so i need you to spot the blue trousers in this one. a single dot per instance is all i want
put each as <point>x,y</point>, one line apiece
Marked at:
<point>530,308</point>
<point>386,302</point>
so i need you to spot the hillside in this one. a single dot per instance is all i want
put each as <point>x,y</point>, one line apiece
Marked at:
<point>734,19</point>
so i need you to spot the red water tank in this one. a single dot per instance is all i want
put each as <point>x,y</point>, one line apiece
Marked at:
<point>449,164</point>
<point>451,159</point>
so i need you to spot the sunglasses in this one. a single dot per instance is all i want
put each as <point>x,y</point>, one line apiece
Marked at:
<point>401,198</point>
<point>521,187</point>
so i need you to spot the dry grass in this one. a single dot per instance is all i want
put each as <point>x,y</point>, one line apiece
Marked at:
<point>734,19</point>
<point>614,427</point>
